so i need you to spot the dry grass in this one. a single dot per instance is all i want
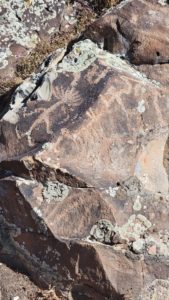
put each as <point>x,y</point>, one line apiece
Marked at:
<point>29,64</point>
<point>5,86</point>
<point>100,5</point>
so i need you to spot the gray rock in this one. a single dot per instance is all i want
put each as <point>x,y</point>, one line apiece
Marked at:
<point>138,246</point>
<point>102,232</point>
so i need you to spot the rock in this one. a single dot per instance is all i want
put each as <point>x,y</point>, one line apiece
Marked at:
<point>102,231</point>
<point>138,246</point>
<point>84,151</point>
<point>157,290</point>
<point>22,27</point>
<point>152,250</point>
<point>102,171</point>
<point>137,30</point>
<point>60,178</point>
<point>31,30</point>
<point>16,286</point>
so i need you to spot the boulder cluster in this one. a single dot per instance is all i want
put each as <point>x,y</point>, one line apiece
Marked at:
<point>84,146</point>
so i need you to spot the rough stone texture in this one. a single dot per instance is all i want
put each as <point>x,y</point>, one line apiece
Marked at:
<point>103,232</point>
<point>16,286</point>
<point>157,290</point>
<point>30,30</point>
<point>138,31</point>
<point>23,23</point>
<point>84,190</point>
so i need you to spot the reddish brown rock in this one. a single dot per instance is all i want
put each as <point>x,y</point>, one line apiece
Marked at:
<point>15,286</point>
<point>158,72</point>
<point>84,168</point>
<point>138,31</point>
<point>30,30</point>
<point>81,134</point>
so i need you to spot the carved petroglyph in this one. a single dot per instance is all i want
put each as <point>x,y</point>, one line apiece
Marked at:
<point>72,101</point>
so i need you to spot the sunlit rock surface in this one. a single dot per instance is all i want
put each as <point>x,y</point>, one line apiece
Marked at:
<point>84,167</point>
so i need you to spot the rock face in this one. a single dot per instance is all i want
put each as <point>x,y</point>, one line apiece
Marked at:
<point>138,31</point>
<point>16,286</point>
<point>84,163</point>
<point>23,23</point>
<point>30,30</point>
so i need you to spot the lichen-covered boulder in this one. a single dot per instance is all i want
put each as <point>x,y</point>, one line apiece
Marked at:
<point>23,24</point>
<point>83,140</point>
<point>63,106</point>
<point>30,30</point>
<point>84,153</point>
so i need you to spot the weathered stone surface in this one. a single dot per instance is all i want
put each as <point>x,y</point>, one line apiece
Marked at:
<point>77,117</point>
<point>21,27</point>
<point>15,286</point>
<point>138,31</point>
<point>103,232</point>
<point>158,72</point>
<point>84,164</point>
<point>30,30</point>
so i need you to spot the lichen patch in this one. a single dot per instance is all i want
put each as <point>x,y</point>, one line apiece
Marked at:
<point>137,204</point>
<point>55,191</point>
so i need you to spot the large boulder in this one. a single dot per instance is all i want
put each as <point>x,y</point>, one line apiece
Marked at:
<point>30,30</point>
<point>138,31</point>
<point>23,25</point>
<point>84,201</point>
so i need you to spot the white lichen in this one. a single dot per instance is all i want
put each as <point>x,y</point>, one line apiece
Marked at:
<point>141,106</point>
<point>5,53</point>
<point>138,246</point>
<point>112,191</point>
<point>135,227</point>
<point>137,204</point>
<point>55,191</point>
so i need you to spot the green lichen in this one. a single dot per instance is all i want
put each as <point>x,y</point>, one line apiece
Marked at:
<point>55,191</point>
<point>82,56</point>
<point>137,204</point>
<point>102,232</point>
<point>28,65</point>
